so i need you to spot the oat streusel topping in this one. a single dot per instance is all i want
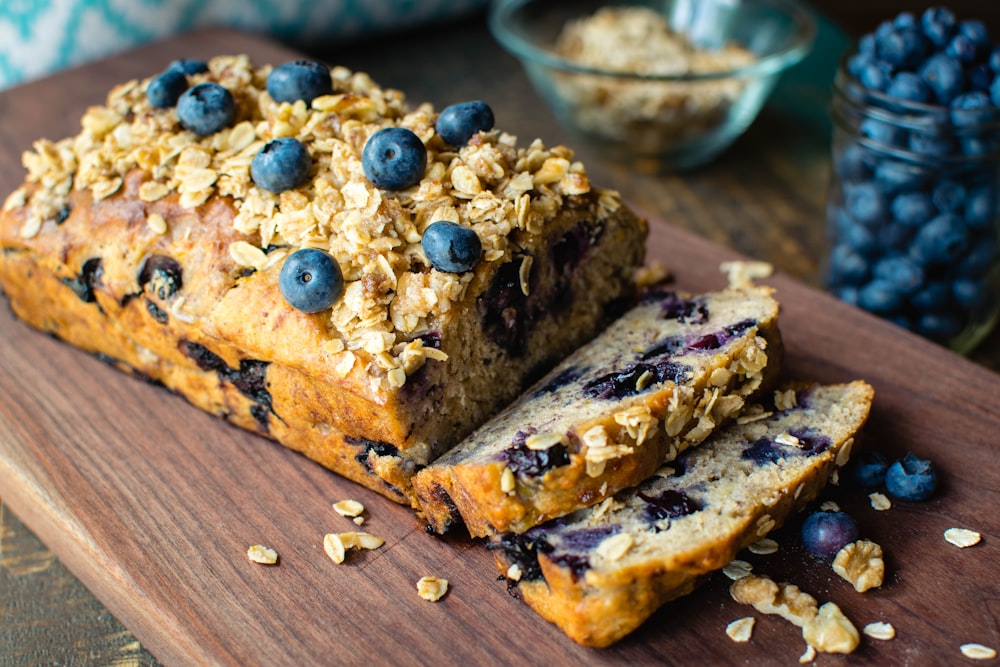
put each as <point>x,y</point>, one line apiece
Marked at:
<point>490,185</point>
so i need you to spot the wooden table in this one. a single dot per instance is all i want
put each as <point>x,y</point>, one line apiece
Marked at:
<point>763,198</point>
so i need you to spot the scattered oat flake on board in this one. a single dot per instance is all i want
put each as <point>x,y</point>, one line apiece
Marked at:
<point>737,569</point>
<point>349,508</point>
<point>880,630</point>
<point>829,506</point>
<point>808,656</point>
<point>962,537</point>
<point>432,589</point>
<point>258,553</point>
<point>764,547</point>
<point>880,502</point>
<point>741,629</point>
<point>978,651</point>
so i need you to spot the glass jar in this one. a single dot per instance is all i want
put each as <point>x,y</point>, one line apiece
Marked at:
<point>913,221</point>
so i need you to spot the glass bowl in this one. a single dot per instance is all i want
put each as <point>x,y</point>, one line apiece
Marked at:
<point>657,107</point>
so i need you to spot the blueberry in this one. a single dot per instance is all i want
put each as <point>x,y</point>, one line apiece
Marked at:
<point>858,237</point>
<point>909,86</point>
<point>311,280</point>
<point>940,241</point>
<point>826,533</point>
<point>188,66</point>
<point>976,32</point>
<point>451,247</point>
<point>972,109</point>
<point>938,24</point>
<point>911,478</point>
<point>940,326</point>
<point>206,108</point>
<point>895,176</point>
<point>995,91</point>
<point>901,48</point>
<point>299,80</point>
<point>882,132</point>
<point>895,236</point>
<point>394,158</point>
<point>282,164</point>
<point>979,260</point>
<point>932,144</point>
<point>962,49</point>
<point>932,297</point>
<point>857,62</point>
<point>866,45</point>
<point>880,296</point>
<point>853,163</point>
<point>847,266</point>
<point>867,204</point>
<point>944,76</point>
<point>912,208</point>
<point>868,469</point>
<point>980,77</point>
<point>847,294</point>
<point>905,21</point>
<point>971,294</point>
<point>875,75</point>
<point>948,196</point>
<point>901,271</point>
<point>457,123</point>
<point>164,90</point>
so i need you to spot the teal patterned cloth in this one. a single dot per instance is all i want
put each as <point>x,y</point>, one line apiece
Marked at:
<point>41,36</point>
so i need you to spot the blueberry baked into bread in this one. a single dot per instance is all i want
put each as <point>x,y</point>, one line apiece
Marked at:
<point>655,382</point>
<point>600,572</point>
<point>298,251</point>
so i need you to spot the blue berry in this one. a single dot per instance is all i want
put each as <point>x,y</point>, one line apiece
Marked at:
<point>895,236</point>
<point>979,260</point>
<point>188,66</point>
<point>895,176</point>
<point>282,164</point>
<point>847,266</point>
<point>971,109</point>
<point>858,237</point>
<point>948,196</point>
<point>975,31</point>
<point>206,108</point>
<point>932,297</point>
<point>311,280</point>
<point>994,59</point>
<point>826,533</point>
<point>882,132</point>
<point>909,86</point>
<point>932,144</point>
<point>940,326</point>
<point>875,75</point>
<point>940,241</point>
<point>451,247</point>
<point>912,209</point>
<point>901,271</point>
<point>394,158</point>
<point>911,478</point>
<point>880,296</point>
<point>971,294</point>
<point>938,24</point>
<point>457,123</point>
<point>868,469</point>
<point>853,163</point>
<point>944,76</point>
<point>980,77</point>
<point>901,48</point>
<point>905,21</point>
<point>299,80</point>
<point>166,89</point>
<point>847,294</point>
<point>995,91</point>
<point>962,49</point>
<point>866,45</point>
<point>866,204</point>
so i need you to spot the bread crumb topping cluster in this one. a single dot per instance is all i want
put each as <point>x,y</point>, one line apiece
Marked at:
<point>505,193</point>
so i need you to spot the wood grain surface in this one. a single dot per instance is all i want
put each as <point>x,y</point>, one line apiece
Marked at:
<point>152,504</point>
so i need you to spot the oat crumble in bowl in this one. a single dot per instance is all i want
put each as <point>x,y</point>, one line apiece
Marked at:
<point>660,80</point>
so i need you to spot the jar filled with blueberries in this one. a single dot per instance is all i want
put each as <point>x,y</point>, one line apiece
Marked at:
<point>913,221</point>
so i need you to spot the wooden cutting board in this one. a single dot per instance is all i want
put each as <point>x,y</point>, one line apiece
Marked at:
<point>152,503</point>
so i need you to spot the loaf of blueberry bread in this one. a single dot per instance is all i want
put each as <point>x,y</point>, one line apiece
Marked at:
<point>655,382</point>
<point>600,572</point>
<point>297,250</point>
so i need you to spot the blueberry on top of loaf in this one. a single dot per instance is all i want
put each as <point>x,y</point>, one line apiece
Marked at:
<point>658,380</point>
<point>600,572</point>
<point>409,358</point>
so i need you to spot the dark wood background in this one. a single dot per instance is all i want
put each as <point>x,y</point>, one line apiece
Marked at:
<point>764,198</point>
